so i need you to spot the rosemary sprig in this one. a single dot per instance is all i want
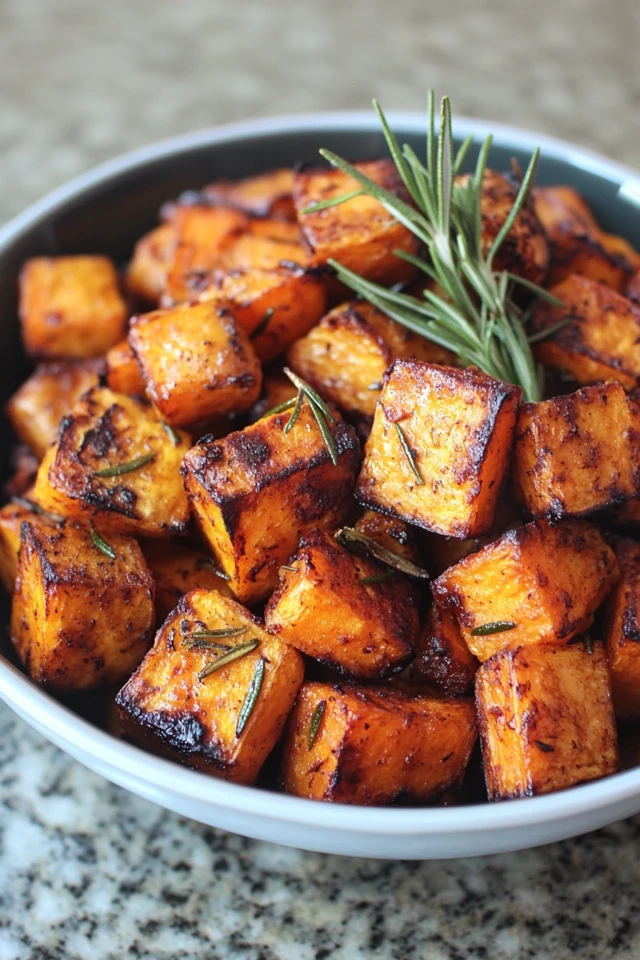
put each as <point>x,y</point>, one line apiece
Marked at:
<point>358,542</point>
<point>319,409</point>
<point>316,723</point>
<point>281,407</point>
<point>476,316</point>
<point>251,698</point>
<point>234,654</point>
<point>378,577</point>
<point>34,507</point>
<point>101,544</point>
<point>408,452</point>
<point>216,634</point>
<point>498,626</point>
<point>262,324</point>
<point>120,468</point>
<point>174,436</point>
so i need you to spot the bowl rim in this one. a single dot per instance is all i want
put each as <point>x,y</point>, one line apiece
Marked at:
<point>62,725</point>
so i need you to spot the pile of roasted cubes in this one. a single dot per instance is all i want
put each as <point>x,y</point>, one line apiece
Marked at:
<point>156,490</point>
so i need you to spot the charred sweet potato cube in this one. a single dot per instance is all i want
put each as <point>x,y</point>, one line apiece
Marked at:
<point>80,619</point>
<point>525,251</point>
<point>149,267</point>
<point>70,307</point>
<point>359,233</point>
<point>439,448</point>
<point>115,462</point>
<point>601,336</point>
<point>275,307</point>
<point>255,492</point>
<point>177,569</point>
<point>12,516</point>
<point>577,453</point>
<point>622,638</point>
<point>123,371</point>
<point>443,658</point>
<point>540,583</point>
<point>36,408</point>
<point>346,355</point>
<point>372,745</point>
<point>225,722</point>
<point>393,534</point>
<point>196,362</point>
<point>546,719</point>
<point>344,610</point>
<point>267,195</point>
<point>201,233</point>
<point>577,243</point>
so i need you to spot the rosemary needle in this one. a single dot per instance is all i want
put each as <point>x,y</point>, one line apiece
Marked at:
<point>101,544</point>
<point>251,698</point>
<point>234,654</point>
<point>357,542</point>
<point>408,452</point>
<point>498,626</point>
<point>121,468</point>
<point>316,723</point>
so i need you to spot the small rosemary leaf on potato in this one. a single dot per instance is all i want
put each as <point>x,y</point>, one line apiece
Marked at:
<point>215,634</point>
<point>101,544</point>
<point>262,325</point>
<point>173,435</point>
<point>498,626</point>
<point>316,723</point>
<point>358,542</point>
<point>251,698</point>
<point>234,654</point>
<point>121,468</point>
<point>408,452</point>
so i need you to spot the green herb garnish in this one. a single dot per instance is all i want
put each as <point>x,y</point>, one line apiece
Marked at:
<point>37,509</point>
<point>251,698</point>
<point>216,634</point>
<point>476,317</point>
<point>101,544</point>
<point>281,407</point>
<point>358,542</point>
<point>408,452</point>
<point>173,435</point>
<point>206,563</point>
<point>545,747</point>
<point>121,468</point>
<point>319,409</point>
<point>262,325</point>
<point>316,723</point>
<point>234,654</point>
<point>498,626</point>
<point>379,577</point>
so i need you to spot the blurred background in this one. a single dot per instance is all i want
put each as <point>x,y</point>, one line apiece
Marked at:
<point>81,81</point>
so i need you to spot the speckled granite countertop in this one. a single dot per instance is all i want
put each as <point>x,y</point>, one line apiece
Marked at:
<point>88,872</point>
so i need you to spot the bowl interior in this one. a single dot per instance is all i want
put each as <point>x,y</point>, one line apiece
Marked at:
<point>109,213</point>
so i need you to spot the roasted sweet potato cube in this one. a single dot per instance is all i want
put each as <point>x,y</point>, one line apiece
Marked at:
<point>360,233</point>
<point>36,408</point>
<point>12,516</point>
<point>344,610</point>
<point>149,267</point>
<point>80,618</point>
<point>255,492</point>
<point>123,371</point>
<point>201,233</point>
<point>546,719</point>
<point>443,658</point>
<point>196,362</point>
<point>540,583</point>
<point>267,195</point>
<point>177,569</point>
<point>117,463</point>
<point>264,245</point>
<point>577,453</point>
<point>622,638</point>
<point>577,243</point>
<point>439,448</point>
<point>393,534</point>
<point>372,745</point>
<point>346,355</point>
<point>224,722</point>
<point>275,307</point>
<point>601,336</point>
<point>525,250</point>
<point>70,307</point>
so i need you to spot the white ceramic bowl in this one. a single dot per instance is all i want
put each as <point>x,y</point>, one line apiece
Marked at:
<point>122,197</point>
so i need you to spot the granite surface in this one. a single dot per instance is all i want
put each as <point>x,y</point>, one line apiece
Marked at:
<point>89,872</point>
